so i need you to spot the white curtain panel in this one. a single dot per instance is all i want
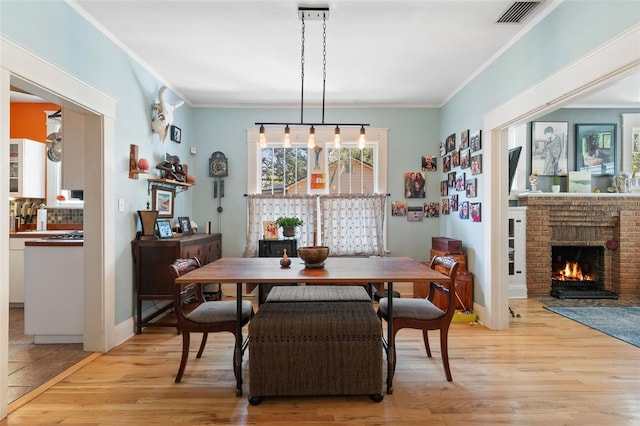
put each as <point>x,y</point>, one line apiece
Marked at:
<point>352,224</point>
<point>270,207</point>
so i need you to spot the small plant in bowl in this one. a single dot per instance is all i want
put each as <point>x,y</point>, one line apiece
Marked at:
<point>288,225</point>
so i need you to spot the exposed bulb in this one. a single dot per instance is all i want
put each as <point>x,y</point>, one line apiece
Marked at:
<point>287,137</point>
<point>263,137</point>
<point>336,139</point>
<point>362,140</point>
<point>312,138</point>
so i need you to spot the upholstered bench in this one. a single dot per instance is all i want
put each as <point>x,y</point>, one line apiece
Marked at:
<point>306,348</point>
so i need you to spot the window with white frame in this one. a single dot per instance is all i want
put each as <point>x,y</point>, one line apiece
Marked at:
<point>345,180</point>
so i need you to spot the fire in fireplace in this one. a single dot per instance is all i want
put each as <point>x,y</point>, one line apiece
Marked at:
<point>577,272</point>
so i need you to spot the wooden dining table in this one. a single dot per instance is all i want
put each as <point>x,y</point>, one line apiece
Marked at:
<point>337,270</point>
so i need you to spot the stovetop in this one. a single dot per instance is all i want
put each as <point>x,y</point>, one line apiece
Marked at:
<point>74,235</point>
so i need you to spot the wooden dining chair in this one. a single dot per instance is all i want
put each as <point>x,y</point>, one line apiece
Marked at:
<point>205,317</point>
<point>422,314</point>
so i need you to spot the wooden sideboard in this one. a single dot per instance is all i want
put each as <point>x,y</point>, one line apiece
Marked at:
<point>153,280</point>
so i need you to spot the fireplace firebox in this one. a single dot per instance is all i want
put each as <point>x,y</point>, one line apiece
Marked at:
<point>577,273</point>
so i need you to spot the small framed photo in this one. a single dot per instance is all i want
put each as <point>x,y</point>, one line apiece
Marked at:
<point>463,211</point>
<point>164,228</point>
<point>476,213</point>
<point>460,178</point>
<point>475,141</point>
<point>471,186</point>
<point>446,164</point>
<point>398,208</point>
<point>444,188</point>
<point>429,163</point>
<point>270,230</point>
<point>185,225</point>
<point>414,214</point>
<point>162,201</point>
<point>445,206</point>
<point>451,179</point>
<point>465,158</point>
<point>453,203</point>
<point>476,164</point>
<point>464,139</point>
<point>451,142</point>
<point>176,134</point>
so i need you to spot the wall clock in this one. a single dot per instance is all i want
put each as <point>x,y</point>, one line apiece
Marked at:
<point>218,165</point>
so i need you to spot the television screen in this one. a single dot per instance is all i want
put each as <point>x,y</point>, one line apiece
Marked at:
<point>514,156</point>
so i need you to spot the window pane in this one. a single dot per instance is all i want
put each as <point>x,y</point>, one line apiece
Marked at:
<point>284,170</point>
<point>351,170</point>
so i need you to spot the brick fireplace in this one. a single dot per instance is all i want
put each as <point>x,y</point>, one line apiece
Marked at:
<point>610,221</point>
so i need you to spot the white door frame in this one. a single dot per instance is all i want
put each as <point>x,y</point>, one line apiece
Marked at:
<point>28,71</point>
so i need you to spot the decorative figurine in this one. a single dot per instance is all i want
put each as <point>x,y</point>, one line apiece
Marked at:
<point>285,262</point>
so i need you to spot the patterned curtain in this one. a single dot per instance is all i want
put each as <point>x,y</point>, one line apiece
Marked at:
<point>352,224</point>
<point>270,207</point>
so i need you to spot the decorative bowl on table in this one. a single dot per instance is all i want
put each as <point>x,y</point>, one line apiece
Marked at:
<point>314,256</point>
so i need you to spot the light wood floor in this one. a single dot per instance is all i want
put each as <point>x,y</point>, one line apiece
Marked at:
<point>545,370</point>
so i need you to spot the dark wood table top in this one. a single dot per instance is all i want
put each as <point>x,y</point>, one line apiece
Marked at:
<point>346,270</point>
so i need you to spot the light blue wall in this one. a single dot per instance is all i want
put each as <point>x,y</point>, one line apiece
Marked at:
<point>570,31</point>
<point>413,133</point>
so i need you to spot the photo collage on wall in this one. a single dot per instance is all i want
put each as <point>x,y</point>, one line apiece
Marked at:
<point>461,163</point>
<point>415,187</point>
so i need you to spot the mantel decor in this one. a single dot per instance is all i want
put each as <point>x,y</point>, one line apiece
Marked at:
<point>549,147</point>
<point>596,149</point>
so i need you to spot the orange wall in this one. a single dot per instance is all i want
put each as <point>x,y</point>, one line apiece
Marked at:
<point>28,120</point>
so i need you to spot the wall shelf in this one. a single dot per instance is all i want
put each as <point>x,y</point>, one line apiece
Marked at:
<point>167,183</point>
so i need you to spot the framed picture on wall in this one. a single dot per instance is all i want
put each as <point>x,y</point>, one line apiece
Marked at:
<point>162,201</point>
<point>549,147</point>
<point>596,148</point>
<point>176,134</point>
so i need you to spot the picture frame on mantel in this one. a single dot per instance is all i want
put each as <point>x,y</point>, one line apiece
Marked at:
<point>549,147</point>
<point>162,201</point>
<point>596,149</point>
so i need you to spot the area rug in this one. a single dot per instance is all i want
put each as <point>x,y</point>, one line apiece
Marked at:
<point>622,323</point>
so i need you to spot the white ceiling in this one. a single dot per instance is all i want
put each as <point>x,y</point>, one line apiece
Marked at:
<point>379,52</point>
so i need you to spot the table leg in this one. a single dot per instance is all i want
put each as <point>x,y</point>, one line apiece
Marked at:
<point>390,343</point>
<point>238,354</point>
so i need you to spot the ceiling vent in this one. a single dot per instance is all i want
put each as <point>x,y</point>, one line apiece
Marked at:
<point>517,12</point>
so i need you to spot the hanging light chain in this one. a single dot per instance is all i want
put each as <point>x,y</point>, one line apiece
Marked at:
<point>313,14</point>
<point>302,72</point>
<point>324,60</point>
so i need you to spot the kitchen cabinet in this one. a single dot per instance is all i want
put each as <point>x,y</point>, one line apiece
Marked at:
<point>54,291</point>
<point>153,280</point>
<point>73,129</point>
<point>16,271</point>
<point>27,162</point>
<point>517,261</point>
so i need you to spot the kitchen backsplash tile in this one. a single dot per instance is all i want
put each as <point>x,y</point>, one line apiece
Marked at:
<point>59,215</point>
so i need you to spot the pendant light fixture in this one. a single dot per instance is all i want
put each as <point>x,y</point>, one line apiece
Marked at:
<point>313,14</point>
